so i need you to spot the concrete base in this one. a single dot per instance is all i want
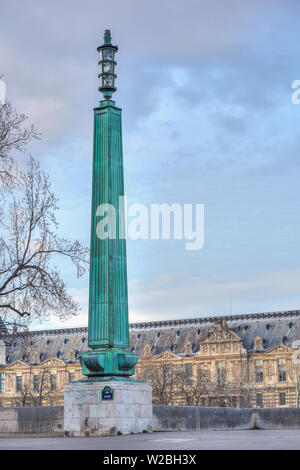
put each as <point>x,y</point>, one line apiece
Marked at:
<point>86,414</point>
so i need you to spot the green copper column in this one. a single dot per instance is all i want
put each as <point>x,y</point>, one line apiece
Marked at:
<point>108,331</point>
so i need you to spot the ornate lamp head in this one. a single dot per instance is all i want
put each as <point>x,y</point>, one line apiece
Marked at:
<point>107,66</point>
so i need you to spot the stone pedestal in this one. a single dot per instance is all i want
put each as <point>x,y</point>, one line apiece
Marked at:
<point>87,414</point>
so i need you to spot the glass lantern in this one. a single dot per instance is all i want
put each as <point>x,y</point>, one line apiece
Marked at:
<point>107,66</point>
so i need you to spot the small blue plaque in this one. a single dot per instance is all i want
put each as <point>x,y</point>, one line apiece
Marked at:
<point>107,393</point>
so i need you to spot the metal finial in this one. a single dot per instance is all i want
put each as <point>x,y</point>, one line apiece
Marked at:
<point>107,37</point>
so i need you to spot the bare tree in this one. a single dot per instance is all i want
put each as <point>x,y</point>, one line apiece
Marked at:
<point>31,286</point>
<point>18,333</point>
<point>42,392</point>
<point>23,397</point>
<point>188,388</point>
<point>35,390</point>
<point>15,136</point>
<point>161,379</point>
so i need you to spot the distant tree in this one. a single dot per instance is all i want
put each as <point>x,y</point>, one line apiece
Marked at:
<point>35,390</point>
<point>190,389</point>
<point>43,392</point>
<point>161,379</point>
<point>23,397</point>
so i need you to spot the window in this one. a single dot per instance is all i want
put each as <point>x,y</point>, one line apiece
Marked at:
<point>211,401</point>
<point>281,370</point>
<point>203,374</point>
<point>189,373</point>
<point>18,383</point>
<point>202,401</point>
<point>234,402</point>
<point>282,398</point>
<point>53,382</point>
<point>259,400</point>
<point>2,383</point>
<point>221,371</point>
<point>168,374</point>
<point>36,383</point>
<point>242,402</point>
<point>71,377</point>
<point>259,375</point>
<point>148,376</point>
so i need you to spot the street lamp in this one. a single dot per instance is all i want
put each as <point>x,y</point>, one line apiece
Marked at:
<point>107,66</point>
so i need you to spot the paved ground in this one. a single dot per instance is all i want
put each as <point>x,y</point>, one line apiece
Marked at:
<point>185,440</point>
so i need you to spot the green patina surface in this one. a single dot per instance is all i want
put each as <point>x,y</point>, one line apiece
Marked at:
<point>108,331</point>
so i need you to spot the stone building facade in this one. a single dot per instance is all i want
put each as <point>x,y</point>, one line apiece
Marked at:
<point>237,360</point>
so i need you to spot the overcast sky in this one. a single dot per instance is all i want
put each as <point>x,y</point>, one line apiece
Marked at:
<point>205,88</point>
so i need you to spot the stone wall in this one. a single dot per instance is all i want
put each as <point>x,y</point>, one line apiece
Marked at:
<point>171,418</point>
<point>49,421</point>
<point>36,420</point>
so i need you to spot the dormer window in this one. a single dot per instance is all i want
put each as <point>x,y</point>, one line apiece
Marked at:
<point>188,348</point>
<point>258,343</point>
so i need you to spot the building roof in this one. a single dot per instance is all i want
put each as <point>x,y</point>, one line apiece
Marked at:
<point>171,335</point>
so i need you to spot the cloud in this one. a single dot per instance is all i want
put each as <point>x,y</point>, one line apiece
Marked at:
<point>58,58</point>
<point>207,119</point>
<point>182,296</point>
<point>80,296</point>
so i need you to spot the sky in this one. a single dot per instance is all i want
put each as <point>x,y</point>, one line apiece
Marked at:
<point>205,88</point>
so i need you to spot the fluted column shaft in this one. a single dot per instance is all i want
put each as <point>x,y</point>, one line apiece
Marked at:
<point>108,298</point>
